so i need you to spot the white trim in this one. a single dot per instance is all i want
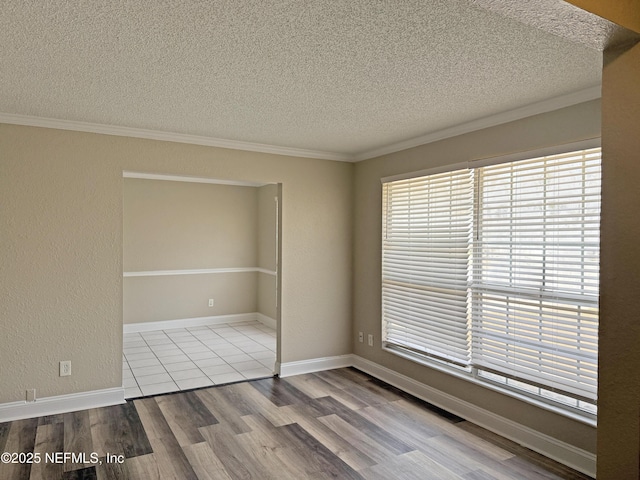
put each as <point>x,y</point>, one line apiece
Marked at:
<point>180,178</point>
<point>61,404</point>
<point>544,106</point>
<point>199,271</point>
<point>553,448</point>
<point>273,273</point>
<point>189,322</point>
<point>33,121</point>
<point>289,369</point>
<point>266,320</point>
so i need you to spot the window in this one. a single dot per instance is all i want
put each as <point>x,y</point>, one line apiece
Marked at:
<point>494,270</point>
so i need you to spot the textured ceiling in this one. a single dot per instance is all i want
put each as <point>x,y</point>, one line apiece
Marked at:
<point>346,76</point>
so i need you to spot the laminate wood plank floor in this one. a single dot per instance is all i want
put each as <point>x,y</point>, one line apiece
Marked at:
<point>336,424</point>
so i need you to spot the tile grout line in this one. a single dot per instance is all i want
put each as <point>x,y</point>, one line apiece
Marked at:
<point>239,336</point>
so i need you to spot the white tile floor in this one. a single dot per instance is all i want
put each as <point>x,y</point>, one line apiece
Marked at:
<point>182,358</point>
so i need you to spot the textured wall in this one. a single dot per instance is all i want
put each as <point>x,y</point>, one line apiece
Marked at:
<point>562,126</point>
<point>619,386</point>
<point>61,211</point>
<point>173,297</point>
<point>267,257</point>
<point>172,225</point>
<point>179,226</point>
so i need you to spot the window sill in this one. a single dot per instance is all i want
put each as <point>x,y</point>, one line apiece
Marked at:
<point>465,374</point>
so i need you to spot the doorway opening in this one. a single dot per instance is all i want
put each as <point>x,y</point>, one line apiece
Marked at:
<point>201,296</point>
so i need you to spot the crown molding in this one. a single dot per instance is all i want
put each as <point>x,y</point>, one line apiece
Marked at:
<point>537,108</point>
<point>59,124</point>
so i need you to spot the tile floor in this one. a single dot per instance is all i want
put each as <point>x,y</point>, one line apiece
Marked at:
<point>164,361</point>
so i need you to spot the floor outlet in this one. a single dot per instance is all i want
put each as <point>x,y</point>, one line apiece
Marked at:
<point>65,368</point>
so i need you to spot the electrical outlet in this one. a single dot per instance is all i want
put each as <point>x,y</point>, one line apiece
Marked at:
<point>31,395</point>
<point>360,337</point>
<point>65,368</point>
<point>370,339</point>
<point>211,302</point>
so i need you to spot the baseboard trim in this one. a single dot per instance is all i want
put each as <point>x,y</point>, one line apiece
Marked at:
<point>550,447</point>
<point>289,369</point>
<point>190,322</point>
<point>267,321</point>
<point>61,404</point>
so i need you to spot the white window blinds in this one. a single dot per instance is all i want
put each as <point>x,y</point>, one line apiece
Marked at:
<point>496,268</point>
<point>536,271</point>
<point>427,231</point>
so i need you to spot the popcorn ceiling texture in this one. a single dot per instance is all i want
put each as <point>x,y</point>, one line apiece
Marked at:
<point>343,76</point>
<point>562,19</point>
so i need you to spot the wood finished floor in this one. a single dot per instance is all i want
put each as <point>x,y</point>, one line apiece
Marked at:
<point>336,424</point>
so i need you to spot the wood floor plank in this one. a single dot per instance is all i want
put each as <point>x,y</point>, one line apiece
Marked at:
<point>316,459</point>
<point>483,447</point>
<point>185,413</point>
<point>223,409</point>
<point>142,467</point>
<point>236,395</point>
<point>450,460</point>
<point>348,399</point>
<point>371,394</point>
<point>409,466</point>
<point>260,404</point>
<point>49,439</point>
<point>342,377</point>
<point>478,475</point>
<point>311,385</point>
<point>49,419</point>
<point>237,462</point>
<point>169,456</point>
<point>77,438</point>
<point>154,423</point>
<point>4,433</point>
<point>21,438</point>
<point>333,424</point>
<point>205,462</point>
<point>338,445</point>
<point>271,450</point>
<point>389,418</point>
<point>358,438</point>
<point>118,430</point>
<point>112,471</point>
<point>280,393</point>
<point>86,473</point>
<point>400,420</point>
<point>384,438</point>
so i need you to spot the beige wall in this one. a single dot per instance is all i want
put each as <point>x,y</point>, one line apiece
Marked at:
<point>267,257</point>
<point>179,225</point>
<point>562,126</point>
<point>619,343</point>
<point>171,225</point>
<point>61,210</point>
<point>176,297</point>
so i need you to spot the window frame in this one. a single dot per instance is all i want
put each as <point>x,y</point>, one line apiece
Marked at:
<point>469,373</point>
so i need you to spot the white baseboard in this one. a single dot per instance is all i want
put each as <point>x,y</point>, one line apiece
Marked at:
<point>315,365</point>
<point>190,322</point>
<point>61,404</point>
<point>562,452</point>
<point>267,321</point>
